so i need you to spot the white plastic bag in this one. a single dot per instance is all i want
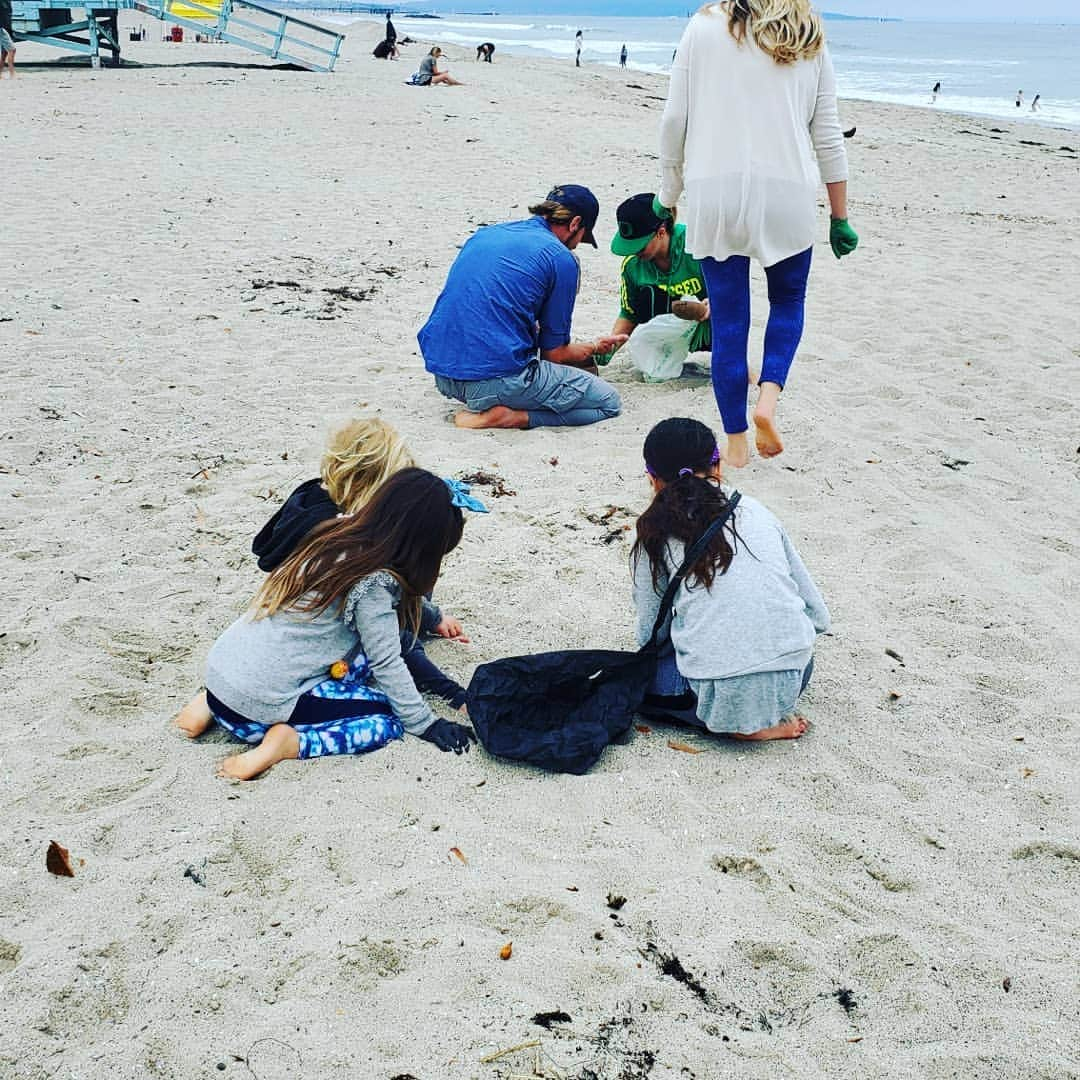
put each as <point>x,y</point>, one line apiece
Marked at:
<point>658,348</point>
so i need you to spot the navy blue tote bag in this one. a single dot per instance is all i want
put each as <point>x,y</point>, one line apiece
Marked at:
<point>560,710</point>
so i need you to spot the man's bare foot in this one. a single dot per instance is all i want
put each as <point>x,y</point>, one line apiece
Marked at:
<point>280,743</point>
<point>788,729</point>
<point>767,440</point>
<point>194,718</point>
<point>737,453</point>
<point>688,308</point>
<point>501,416</point>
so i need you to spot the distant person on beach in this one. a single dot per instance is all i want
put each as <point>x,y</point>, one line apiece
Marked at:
<point>391,33</point>
<point>752,88</point>
<point>1019,98</point>
<point>314,666</point>
<point>934,93</point>
<point>7,40</point>
<point>1035,103</point>
<point>658,276</point>
<point>622,57</point>
<point>577,49</point>
<point>485,51</point>
<point>738,650</point>
<point>429,73</point>
<point>498,338</point>
<point>386,50</point>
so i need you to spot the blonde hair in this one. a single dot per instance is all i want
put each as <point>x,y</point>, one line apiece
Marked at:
<point>359,458</point>
<point>553,212</point>
<point>788,30</point>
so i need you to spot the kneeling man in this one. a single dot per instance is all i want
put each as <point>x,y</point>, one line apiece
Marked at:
<point>498,338</point>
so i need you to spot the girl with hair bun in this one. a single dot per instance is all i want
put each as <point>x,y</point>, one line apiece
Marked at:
<point>738,649</point>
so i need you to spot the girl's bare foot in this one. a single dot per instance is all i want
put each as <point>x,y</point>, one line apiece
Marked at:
<point>787,729</point>
<point>737,452</point>
<point>501,416</point>
<point>194,718</point>
<point>767,439</point>
<point>280,743</point>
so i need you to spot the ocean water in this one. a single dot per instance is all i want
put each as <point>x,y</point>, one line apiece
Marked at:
<point>980,65</point>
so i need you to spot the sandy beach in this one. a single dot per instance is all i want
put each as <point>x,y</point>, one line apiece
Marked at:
<point>204,268</point>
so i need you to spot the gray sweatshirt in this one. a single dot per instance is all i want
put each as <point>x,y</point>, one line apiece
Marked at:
<point>261,667</point>
<point>762,615</point>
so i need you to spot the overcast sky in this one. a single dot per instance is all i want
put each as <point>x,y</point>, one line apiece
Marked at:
<point>981,10</point>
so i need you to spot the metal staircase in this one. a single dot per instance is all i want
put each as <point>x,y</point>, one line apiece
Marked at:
<point>252,26</point>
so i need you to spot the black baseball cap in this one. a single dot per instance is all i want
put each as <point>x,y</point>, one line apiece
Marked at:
<point>637,223</point>
<point>580,200</point>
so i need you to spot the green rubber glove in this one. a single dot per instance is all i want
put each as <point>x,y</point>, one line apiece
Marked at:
<point>843,239</point>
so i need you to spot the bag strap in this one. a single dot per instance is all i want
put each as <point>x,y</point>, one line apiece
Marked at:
<point>692,555</point>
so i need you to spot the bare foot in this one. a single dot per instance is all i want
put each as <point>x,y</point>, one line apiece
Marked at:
<point>280,743</point>
<point>788,729</point>
<point>194,718</point>
<point>737,452</point>
<point>767,440</point>
<point>463,708</point>
<point>498,417</point>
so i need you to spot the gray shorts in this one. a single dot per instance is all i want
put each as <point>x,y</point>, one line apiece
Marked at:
<point>7,42</point>
<point>553,395</point>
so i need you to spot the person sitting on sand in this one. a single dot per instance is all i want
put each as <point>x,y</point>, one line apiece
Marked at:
<point>738,649</point>
<point>659,276</point>
<point>7,40</point>
<point>429,73</point>
<point>359,458</point>
<point>314,666</point>
<point>498,338</point>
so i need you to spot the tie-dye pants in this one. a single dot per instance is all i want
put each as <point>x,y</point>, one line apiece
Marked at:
<point>338,716</point>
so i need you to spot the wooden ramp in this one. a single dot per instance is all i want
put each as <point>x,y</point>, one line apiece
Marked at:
<point>249,25</point>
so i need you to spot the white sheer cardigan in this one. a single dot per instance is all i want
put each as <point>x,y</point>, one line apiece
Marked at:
<point>740,133</point>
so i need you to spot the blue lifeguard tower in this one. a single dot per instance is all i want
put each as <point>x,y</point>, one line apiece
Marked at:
<point>250,25</point>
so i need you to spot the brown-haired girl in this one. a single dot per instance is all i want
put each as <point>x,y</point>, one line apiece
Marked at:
<point>314,667</point>
<point>740,641</point>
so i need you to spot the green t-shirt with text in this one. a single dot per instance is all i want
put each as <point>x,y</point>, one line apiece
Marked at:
<point>647,291</point>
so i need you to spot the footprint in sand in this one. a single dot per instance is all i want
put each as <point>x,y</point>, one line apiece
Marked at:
<point>741,866</point>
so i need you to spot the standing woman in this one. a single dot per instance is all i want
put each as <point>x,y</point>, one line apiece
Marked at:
<point>752,100</point>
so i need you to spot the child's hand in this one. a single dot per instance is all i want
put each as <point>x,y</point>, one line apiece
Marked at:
<point>451,628</point>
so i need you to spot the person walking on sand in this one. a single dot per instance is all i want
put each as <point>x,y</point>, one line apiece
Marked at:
<point>314,666</point>
<point>622,57</point>
<point>752,89</point>
<point>1035,103</point>
<point>7,40</point>
<point>738,650</point>
<point>498,338</point>
<point>1019,98</point>
<point>934,93</point>
<point>577,49</point>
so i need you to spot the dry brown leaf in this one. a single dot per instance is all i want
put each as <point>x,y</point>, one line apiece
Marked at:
<point>1025,773</point>
<point>506,951</point>
<point>459,854</point>
<point>855,1039</point>
<point>643,728</point>
<point>684,748</point>
<point>58,861</point>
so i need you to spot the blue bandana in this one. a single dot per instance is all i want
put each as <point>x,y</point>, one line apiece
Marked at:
<point>460,497</point>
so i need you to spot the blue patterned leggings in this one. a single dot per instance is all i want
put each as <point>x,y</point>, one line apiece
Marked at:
<point>338,716</point>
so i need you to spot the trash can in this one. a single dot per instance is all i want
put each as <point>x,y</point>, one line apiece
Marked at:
<point>177,33</point>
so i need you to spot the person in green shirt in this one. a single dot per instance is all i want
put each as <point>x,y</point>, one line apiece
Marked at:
<point>659,277</point>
